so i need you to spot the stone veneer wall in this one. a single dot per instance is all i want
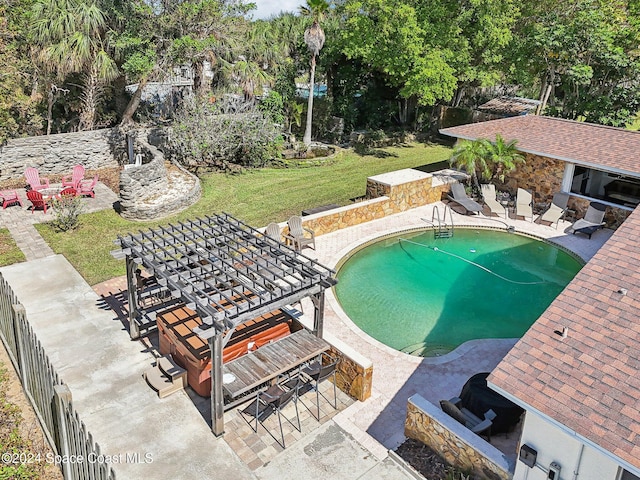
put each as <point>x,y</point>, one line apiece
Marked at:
<point>457,445</point>
<point>383,200</point>
<point>543,176</point>
<point>352,376</point>
<point>57,154</point>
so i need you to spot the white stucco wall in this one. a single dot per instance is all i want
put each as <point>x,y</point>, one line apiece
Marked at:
<point>556,445</point>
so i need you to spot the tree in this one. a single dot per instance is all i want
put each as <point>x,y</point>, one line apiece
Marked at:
<point>582,55</point>
<point>503,157</point>
<point>72,37</point>
<point>314,38</point>
<point>397,41</point>
<point>18,109</point>
<point>250,76</point>
<point>471,156</point>
<point>204,30</point>
<point>479,32</point>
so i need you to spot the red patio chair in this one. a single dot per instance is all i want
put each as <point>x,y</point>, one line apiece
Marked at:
<point>75,178</point>
<point>68,192</point>
<point>9,197</point>
<point>85,188</point>
<point>34,180</point>
<point>37,200</point>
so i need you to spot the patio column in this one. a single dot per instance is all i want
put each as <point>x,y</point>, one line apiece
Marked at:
<point>318,314</point>
<point>132,295</point>
<point>217,399</point>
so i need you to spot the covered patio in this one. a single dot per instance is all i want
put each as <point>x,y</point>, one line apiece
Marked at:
<point>228,274</point>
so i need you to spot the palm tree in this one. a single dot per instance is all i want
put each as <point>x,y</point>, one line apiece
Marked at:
<point>250,76</point>
<point>471,156</point>
<point>314,38</point>
<point>504,156</point>
<point>72,37</point>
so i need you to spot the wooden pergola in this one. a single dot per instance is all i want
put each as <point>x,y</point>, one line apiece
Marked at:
<point>228,273</point>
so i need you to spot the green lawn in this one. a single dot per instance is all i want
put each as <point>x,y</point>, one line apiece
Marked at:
<point>256,197</point>
<point>9,251</point>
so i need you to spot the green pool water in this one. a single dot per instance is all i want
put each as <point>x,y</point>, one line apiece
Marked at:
<point>427,296</point>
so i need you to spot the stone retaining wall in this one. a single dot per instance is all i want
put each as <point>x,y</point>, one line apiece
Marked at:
<point>383,199</point>
<point>457,445</point>
<point>150,191</point>
<point>57,154</point>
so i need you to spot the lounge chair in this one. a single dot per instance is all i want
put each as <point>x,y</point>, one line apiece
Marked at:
<point>298,235</point>
<point>592,221</point>
<point>467,418</point>
<point>34,180</point>
<point>75,178</point>
<point>489,198</point>
<point>524,203</point>
<point>459,196</point>
<point>273,231</point>
<point>556,210</point>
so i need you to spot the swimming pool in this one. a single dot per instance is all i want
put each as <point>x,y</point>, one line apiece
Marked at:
<point>427,296</point>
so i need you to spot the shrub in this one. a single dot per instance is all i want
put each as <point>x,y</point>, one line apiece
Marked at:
<point>67,213</point>
<point>204,138</point>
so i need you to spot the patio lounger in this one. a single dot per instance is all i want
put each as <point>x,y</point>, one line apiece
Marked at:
<point>468,419</point>
<point>556,210</point>
<point>592,221</point>
<point>489,197</point>
<point>524,201</point>
<point>459,196</point>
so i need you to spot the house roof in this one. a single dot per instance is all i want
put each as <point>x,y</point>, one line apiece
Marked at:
<point>589,381</point>
<point>587,144</point>
<point>509,105</point>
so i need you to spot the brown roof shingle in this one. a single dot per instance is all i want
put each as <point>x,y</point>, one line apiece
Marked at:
<point>590,380</point>
<point>578,142</point>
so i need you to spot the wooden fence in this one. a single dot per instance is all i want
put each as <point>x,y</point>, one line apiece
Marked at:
<point>49,397</point>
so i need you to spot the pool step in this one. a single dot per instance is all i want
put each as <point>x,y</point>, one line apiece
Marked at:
<point>443,233</point>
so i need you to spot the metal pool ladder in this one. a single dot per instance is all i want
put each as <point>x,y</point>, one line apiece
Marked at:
<point>444,230</point>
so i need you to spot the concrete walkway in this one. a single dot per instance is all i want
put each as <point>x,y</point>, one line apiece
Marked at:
<point>103,368</point>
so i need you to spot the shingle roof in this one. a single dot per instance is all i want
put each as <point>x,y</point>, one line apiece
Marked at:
<point>590,380</point>
<point>584,143</point>
<point>509,105</point>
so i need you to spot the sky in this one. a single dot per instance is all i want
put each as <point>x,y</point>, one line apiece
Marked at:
<point>267,8</point>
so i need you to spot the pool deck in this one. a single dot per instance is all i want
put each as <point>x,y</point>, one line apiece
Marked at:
<point>396,376</point>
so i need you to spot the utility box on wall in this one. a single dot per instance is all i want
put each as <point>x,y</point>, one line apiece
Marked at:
<point>528,455</point>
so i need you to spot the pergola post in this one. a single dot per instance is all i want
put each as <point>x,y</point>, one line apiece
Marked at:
<point>318,314</point>
<point>132,295</point>
<point>217,399</point>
